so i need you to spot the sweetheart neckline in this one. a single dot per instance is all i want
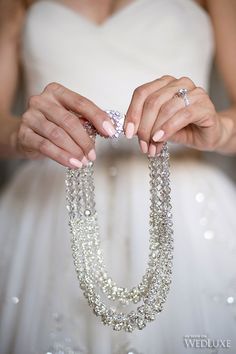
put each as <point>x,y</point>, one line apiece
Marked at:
<point>115,15</point>
<point>85,19</point>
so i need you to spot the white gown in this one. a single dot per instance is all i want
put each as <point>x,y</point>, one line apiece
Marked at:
<point>42,308</point>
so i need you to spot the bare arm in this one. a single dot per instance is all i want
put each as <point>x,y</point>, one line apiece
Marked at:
<point>52,125</point>
<point>223,14</point>
<point>9,71</point>
<point>155,117</point>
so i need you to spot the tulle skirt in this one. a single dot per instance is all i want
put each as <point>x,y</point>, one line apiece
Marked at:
<point>41,305</point>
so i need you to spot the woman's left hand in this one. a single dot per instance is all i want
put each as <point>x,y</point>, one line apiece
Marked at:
<point>156,115</point>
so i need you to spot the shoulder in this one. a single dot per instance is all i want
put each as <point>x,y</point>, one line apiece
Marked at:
<point>12,18</point>
<point>223,16</point>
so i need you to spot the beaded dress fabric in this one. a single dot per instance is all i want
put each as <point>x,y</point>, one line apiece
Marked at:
<point>42,309</point>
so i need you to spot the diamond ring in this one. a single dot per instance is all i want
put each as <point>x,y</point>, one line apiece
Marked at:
<point>182,93</point>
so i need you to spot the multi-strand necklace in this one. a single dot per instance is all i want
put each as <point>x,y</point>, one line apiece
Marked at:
<point>95,281</point>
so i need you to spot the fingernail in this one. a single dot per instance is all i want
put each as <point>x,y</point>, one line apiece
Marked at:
<point>129,132</point>
<point>84,161</point>
<point>109,128</point>
<point>143,146</point>
<point>158,135</point>
<point>75,163</point>
<point>152,150</point>
<point>92,155</point>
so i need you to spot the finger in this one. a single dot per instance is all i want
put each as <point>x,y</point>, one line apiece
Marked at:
<point>139,96</point>
<point>79,104</point>
<point>183,118</point>
<point>34,142</point>
<point>70,123</point>
<point>152,150</point>
<point>52,132</point>
<point>24,145</point>
<point>154,102</point>
<point>170,108</point>
<point>159,147</point>
<point>143,146</point>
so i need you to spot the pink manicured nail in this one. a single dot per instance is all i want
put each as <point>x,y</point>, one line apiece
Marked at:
<point>152,150</point>
<point>75,163</point>
<point>109,128</point>
<point>129,132</point>
<point>143,146</point>
<point>92,155</point>
<point>158,135</point>
<point>84,161</point>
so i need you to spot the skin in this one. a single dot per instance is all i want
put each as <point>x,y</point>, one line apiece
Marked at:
<point>52,125</point>
<point>156,117</point>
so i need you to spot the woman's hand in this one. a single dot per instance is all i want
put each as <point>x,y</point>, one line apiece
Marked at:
<point>51,127</point>
<point>156,115</point>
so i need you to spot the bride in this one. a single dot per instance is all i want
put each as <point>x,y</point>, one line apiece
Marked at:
<point>79,59</point>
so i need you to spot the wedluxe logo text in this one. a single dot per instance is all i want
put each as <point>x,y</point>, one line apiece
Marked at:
<point>204,342</point>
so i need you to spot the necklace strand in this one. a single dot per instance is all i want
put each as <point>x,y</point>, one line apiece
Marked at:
<point>92,274</point>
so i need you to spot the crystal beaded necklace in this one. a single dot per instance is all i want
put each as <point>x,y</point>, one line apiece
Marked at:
<point>92,274</point>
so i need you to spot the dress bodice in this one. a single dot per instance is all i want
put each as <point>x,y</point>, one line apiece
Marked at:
<point>141,42</point>
<point>105,63</point>
<point>42,309</point>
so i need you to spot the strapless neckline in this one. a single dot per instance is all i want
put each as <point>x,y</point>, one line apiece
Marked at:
<point>144,40</point>
<point>116,15</point>
<point>109,19</point>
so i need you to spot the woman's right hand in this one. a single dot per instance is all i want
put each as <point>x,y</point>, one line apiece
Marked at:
<point>51,127</point>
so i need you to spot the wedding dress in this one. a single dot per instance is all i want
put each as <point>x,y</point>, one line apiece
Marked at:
<point>42,307</point>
